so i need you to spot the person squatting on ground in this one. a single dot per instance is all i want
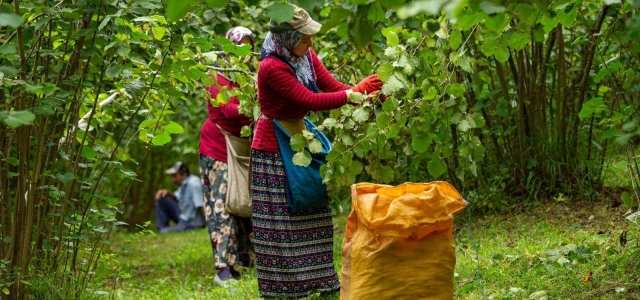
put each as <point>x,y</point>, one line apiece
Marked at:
<point>294,250</point>
<point>184,206</point>
<point>231,237</point>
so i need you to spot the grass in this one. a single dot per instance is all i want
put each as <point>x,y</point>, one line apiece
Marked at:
<point>544,250</point>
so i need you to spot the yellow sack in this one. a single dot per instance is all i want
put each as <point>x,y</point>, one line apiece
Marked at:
<point>398,242</point>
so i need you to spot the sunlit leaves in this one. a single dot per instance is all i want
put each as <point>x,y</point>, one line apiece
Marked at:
<point>158,32</point>
<point>173,128</point>
<point>298,142</point>
<point>392,85</point>
<point>302,158</point>
<point>161,139</point>
<point>360,114</point>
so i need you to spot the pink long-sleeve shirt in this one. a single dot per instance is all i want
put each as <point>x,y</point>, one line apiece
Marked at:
<point>282,96</point>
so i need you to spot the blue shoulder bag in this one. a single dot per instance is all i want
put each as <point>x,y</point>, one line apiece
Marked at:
<point>305,189</point>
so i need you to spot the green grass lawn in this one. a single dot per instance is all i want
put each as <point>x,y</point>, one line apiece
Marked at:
<point>541,252</point>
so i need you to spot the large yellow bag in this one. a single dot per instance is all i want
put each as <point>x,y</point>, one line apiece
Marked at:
<point>398,242</point>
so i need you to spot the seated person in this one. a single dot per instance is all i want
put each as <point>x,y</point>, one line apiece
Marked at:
<point>185,206</point>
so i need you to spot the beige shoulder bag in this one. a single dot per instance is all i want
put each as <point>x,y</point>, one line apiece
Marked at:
<point>238,200</point>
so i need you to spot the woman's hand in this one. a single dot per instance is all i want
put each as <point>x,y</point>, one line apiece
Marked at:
<point>369,85</point>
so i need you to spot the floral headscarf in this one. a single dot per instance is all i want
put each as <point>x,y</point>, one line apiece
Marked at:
<point>280,45</point>
<point>236,34</point>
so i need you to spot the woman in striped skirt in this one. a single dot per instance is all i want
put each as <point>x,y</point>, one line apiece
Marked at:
<point>294,250</point>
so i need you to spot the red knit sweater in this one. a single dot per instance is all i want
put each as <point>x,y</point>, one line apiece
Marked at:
<point>282,96</point>
<point>212,142</point>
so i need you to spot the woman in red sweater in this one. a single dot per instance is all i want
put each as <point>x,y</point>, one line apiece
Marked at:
<point>294,249</point>
<point>229,234</point>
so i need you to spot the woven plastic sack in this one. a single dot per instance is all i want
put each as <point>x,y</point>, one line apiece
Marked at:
<point>398,242</point>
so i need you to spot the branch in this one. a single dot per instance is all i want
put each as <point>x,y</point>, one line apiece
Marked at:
<point>82,123</point>
<point>219,69</point>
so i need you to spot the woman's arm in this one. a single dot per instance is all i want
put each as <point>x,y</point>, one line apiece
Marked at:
<point>282,79</point>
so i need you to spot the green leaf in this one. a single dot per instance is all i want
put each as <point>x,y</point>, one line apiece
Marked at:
<point>519,40</point>
<point>245,131</point>
<point>111,201</point>
<point>392,36</point>
<point>468,20</point>
<point>158,32</point>
<point>456,89</point>
<point>393,4</point>
<point>376,13</point>
<point>392,85</point>
<point>390,105</point>
<point>383,119</point>
<point>40,89</point>
<point>611,132</point>
<point>280,12</point>
<point>8,70</point>
<point>497,22</point>
<point>302,158</point>
<point>88,152</point>
<point>315,146</point>
<point>437,167</point>
<point>124,50</point>
<point>11,20</point>
<point>356,98</point>
<point>113,71</point>
<point>217,3</point>
<point>429,7</point>
<point>627,200</point>
<point>502,54</point>
<point>393,131</point>
<point>360,115</point>
<point>431,94</point>
<point>8,49</point>
<point>387,174</point>
<point>177,9</point>
<point>491,8</point>
<point>590,107</point>
<point>16,118</point>
<point>464,126</point>
<point>420,141</point>
<point>161,139</point>
<point>361,32</point>
<point>65,178</point>
<point>173,128</point>
<point>298,142</point>
<point>607,70</point>
<point>455,39</point>
<point>385,71</point>
<point>308,135</point>
<point>6,291</point>
<point>355,168</point>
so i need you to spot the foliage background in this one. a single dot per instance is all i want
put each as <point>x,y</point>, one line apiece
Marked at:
<point>507,100</point>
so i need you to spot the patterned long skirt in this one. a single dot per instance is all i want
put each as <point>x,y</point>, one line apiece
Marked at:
<point>231,236</point>
<point>294,250</point>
